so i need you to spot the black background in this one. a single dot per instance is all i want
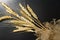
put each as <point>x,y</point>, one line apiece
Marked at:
<point>46,9</point>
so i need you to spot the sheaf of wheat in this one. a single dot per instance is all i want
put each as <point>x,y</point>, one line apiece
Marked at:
<point>27,22</point>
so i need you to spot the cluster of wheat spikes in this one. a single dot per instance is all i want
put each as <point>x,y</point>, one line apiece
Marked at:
<point>28,21</point>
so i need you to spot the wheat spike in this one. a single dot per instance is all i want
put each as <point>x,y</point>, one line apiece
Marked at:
<point>5,17</point>
<point>31,11</point>
<point>21,29</point>
<point>9,10</point>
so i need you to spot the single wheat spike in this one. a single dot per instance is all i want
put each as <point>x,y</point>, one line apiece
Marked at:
<point>21,29</point>
<point>9,10</point>
<point>31,11</point>
<point>5,17</point>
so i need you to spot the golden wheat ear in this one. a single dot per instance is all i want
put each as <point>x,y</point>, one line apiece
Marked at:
<point>21,23</point>
<point>5,17</point>
<point>31,12</point>
<point>9,10</point>
<point>20,28</point>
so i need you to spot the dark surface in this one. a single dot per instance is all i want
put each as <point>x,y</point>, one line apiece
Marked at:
<point>46,9</point>
<point>7,34</point>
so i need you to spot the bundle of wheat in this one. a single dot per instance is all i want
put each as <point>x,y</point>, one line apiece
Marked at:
<point>27,22</point>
